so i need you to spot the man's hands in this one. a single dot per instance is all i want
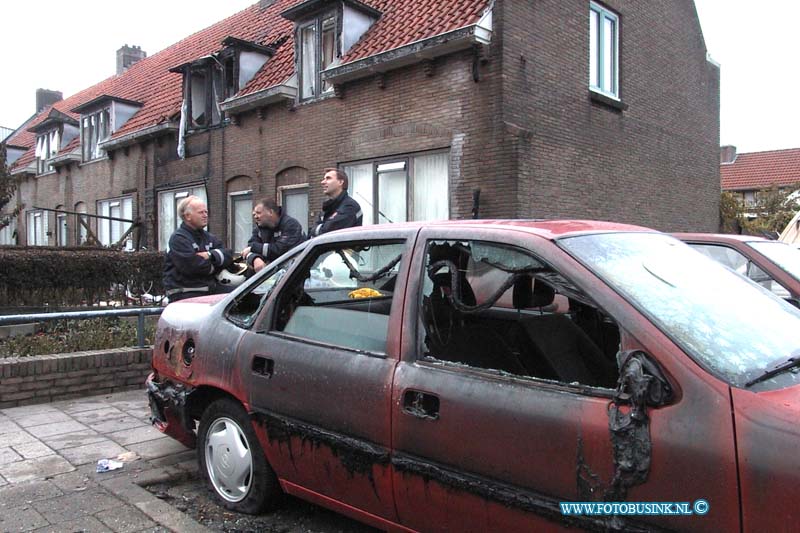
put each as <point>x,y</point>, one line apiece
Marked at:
<point>246,252</point>
<point>204,255</point>
<point>258,264</point>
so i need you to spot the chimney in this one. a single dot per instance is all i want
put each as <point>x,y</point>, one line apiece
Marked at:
<point>127,56</point>
<point>727,154</point>
<point>46,97</point>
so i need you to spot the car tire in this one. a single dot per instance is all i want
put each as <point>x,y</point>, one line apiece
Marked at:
<point>232,461</point>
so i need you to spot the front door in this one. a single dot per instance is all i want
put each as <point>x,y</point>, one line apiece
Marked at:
<point>504,392</point>
<point>321,366</point>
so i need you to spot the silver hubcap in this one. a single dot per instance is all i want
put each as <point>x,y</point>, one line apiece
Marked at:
<point>228,460</point>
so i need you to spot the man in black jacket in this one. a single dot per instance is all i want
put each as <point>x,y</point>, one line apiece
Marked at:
<point>275,234</point>
<point>339,210</point>
<point>195,256</point>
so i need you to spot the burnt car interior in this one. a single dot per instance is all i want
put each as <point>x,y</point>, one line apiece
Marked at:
<point>491,306</point>
<point>342,296</point>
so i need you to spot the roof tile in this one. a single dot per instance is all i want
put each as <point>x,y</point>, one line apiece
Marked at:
<point>761,170</point>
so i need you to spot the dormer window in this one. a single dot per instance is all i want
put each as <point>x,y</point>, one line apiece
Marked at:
<point>317,48</point>
<point>47,145</point>
<point>100,118</point>
<point>95,128</point>
<point>214,78</point>
<point>325,30</point>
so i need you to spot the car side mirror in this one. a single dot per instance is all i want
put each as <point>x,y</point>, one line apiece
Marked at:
<point>641,381</point>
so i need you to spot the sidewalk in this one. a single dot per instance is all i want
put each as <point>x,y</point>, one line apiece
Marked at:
<point>48,454</point>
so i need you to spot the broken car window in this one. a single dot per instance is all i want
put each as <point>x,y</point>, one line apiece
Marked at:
<point>728,324</point>
<point>494,307</point>
<point>247,305</point>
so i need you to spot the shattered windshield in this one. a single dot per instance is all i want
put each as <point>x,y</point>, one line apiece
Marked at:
<point>729,325</point>
<point>783,255</point>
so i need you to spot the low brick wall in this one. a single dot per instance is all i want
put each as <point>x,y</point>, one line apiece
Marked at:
<point>47,378</point>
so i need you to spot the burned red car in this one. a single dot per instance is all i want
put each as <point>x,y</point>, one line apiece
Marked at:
<point>774,265</point>
<point>474,375</point>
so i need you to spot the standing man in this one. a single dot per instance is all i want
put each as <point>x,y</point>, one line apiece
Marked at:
<point>275,234</point>
<point>195,256</point>
<point>339,210</point>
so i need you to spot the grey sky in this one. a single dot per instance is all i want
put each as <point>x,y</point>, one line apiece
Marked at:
<point>69,46</point>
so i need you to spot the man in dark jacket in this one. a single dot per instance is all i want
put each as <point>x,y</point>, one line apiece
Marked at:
<point>339,210</point>
<point>195,256</point>
<point>275,234</point>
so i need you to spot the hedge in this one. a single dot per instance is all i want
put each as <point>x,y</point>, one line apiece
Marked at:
<point>36,276</point>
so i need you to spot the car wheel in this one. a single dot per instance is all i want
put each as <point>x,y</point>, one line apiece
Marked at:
<point>232,460</point>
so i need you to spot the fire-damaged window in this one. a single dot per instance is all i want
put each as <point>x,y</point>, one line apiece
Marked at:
<point>202,97</point>
<point>244,309</point>
<point>318,48</point>
<point>494,307</point>
<point>95,128</point>
<point>342,296</point>
<point>400,189</point>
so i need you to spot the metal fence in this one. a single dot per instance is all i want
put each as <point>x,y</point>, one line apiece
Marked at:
<point>140,312</point>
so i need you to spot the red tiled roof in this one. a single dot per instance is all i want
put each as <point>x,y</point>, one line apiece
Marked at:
<point>150,82</point>
<point>761,170</point>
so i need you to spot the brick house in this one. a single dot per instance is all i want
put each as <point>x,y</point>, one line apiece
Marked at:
<point>547,108</point>
<point>748,173</point>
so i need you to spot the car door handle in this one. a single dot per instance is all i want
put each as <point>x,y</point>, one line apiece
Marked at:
<point>263,366</point>
<point>421,404</point>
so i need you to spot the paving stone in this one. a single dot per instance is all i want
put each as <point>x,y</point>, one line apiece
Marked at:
<point>22,518</point>
<point>74,506</point>
<point>125,519</point>
<point>57,428</point>
<point>98,415</point>
<point>32,450</point>
<point>16,495</point>
<point>31,469</point>
<point>90,453</point>
<point>7,425</point>
<point>28,410</point>
<point>136,404</point>
<point>171,517</point>
<point>18,437</point>
<point>174,459</point>
<point>157,448</point>
<point>79,406</point>
<point>72,440</point>
<point>8,455</point>
<point>75,481</point>
<point>86,524</point>
<point>137,434</point>
<point>117,424</point>
<point>43,418</point>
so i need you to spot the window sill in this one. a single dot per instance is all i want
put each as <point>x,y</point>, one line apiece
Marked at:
<point>607,101</point>
<point>325,96</point>
<point>91,161</point>
<point>45,174</point>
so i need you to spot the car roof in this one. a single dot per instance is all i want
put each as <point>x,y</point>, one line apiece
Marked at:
<point>718,237</point>
<point>548,229</point>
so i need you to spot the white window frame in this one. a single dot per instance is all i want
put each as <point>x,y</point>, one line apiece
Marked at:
<point>37,228</point>
<point>7,233</point>
<point>281,197</point>
<point>371,212</point>
<point>319,88</point>
<point>602,50</point>
<point>110,231</point>
<point>92,135</point>
<point>234,197</point>
<point>47,145</point>
<point>177,194</point>
<point>62,231</point>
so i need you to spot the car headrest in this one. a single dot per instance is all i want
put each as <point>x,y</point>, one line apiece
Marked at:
<point>527,294</point>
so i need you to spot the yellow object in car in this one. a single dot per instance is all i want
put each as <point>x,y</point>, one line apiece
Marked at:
<point>364,292</point>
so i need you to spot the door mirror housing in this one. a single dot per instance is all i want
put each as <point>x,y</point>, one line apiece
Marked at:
<point>641,381</point>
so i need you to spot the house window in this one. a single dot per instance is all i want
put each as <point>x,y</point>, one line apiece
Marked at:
<point>204,83</point>
<point>168,219</point>
<point>241,223</point>
<point>8,233</point>
<point>61,227</point>
<point>318,49</point>
<point>37,228</point>
<point>120,212</point>
<point>46,147</point>
<point>294,202</point>
<point>81,233</point>
<point>95,128</point>
<point>402,188</point>
<point>603,51</point>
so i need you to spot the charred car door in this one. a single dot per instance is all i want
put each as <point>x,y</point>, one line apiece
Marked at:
<point>321,361</point>
<point>509,397</point>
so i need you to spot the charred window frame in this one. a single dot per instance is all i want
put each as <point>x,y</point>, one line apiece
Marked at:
<point>202,84</point>
<point>318,46</point>
<point>95,128</point>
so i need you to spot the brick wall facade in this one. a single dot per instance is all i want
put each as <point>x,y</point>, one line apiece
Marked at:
<point>527,133</point>
<point>49,378</point>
